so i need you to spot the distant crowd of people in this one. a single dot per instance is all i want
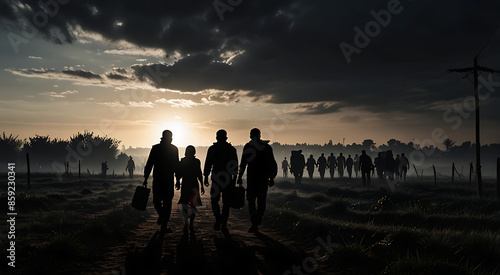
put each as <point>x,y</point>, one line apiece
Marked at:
<point>385,164</point>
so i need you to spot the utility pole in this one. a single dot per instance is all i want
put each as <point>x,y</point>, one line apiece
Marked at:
<point>475,70</point>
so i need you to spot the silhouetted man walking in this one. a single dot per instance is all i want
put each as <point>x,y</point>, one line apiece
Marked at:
<point>379,165</point>
<point>298,163</point>
<point>341,165</point>
<point>390,164</point>
<point>366,166</point>
<point>222,162</point>
<point>130,167</point>
<point>332,164</point>
<point>349,163</point>
<point>165,159</point>
<point>405,165</point>
<point>311,163</point>
<point>262,169</point>
<point>284,167</point>
<point>104,168</point>
<point>322,166</point>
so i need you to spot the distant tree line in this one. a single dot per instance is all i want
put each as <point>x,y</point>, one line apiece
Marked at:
<point>47,154</point>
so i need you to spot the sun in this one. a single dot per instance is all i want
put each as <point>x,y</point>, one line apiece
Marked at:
<point>179,132</point>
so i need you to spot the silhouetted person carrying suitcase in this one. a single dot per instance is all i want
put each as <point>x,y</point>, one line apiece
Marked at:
<point>311,164</point>
<point>222,163</point>
<point>165,159</point>
<point>190,173</point>
<point>130,167</point>
<point>262,169</point>
<point>365,166</point>
<point>332,164</point>
<point>322,166</point>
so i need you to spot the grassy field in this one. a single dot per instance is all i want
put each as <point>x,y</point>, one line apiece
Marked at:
<point>61,227</point>
<point>417,228</point>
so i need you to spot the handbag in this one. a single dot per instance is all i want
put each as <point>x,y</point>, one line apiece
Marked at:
<point>141,197</point>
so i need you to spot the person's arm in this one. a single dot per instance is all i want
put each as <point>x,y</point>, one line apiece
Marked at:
<point>244,161</point>
<point>149,166</point>
<point>208,165</point>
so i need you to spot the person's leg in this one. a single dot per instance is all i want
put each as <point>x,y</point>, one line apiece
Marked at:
<point>368,177</point>
<point>167,207</point>
<point>193,215</point>
<point>251,197</point>
<point>215,195</point>
<point>364,177</point>
<point>158,207</point>
<point>226,193</point>
<point>261,202</point>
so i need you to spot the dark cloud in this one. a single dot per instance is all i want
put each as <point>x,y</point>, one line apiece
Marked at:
<point>116,76</point>
<point>290,49</point>
<point>318,108</point>
<point>81,73</point>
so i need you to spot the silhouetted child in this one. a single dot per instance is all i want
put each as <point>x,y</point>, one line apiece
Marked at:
<point>190,173</point>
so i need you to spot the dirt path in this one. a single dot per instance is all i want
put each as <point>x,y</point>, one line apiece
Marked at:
<point>207,251</point>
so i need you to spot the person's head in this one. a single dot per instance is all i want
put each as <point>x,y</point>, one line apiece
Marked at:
<point>221,135</point>
<point>397,155</point>
<point>349,155</point>
<point>311,156</point>
<point>322,154</point>
<point>300,151</point>
<point>363,152</point>
<point>341,154</point>
<point>255,133</point>
<point>285,158</point>
<point>167,136</point>
<point>331,154</point>
<point>402,154</point>
<point>190,151</point>
<point>130,157</point>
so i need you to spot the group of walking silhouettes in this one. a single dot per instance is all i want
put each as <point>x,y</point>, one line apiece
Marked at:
<point>221,166</point>
<point>384,164</point>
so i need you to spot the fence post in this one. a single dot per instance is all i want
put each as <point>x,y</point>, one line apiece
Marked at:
<point>453,173</point>
<point>498,178</point>
<point>434,169</point>
<point>29,170</point>
<point>414,167</point>
<point>470,173</point>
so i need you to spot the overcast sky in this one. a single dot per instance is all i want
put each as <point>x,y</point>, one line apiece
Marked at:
<point>302,71</point>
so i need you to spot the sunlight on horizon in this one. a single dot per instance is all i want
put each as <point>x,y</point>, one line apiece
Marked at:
<point>180,133</point>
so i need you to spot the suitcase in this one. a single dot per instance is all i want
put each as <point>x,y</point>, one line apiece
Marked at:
<point>140,199</point>
<point>237,197</point>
